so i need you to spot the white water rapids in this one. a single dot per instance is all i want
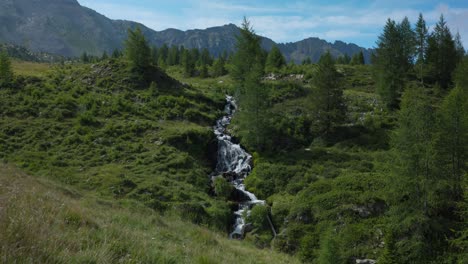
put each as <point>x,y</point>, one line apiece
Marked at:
<point>235,162</point>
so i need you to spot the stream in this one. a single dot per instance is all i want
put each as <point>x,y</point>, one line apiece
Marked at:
<point>234,164</point>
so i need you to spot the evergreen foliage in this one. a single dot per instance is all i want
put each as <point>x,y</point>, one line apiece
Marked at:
<point>137,50</point>
<point>6,72</point>
<point>421,45</point>
<point>275,60</point>
<point>247,70</point>
<point>358,59</point>
<point>442,54</point>
<point>327,97</point>
<point>390,75</point>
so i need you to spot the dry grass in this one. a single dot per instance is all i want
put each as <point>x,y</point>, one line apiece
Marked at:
<point>30,68</point>
<point>41,222</point>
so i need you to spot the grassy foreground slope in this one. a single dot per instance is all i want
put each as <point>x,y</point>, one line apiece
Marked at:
<point>103,128</point>
<point>45,222</point>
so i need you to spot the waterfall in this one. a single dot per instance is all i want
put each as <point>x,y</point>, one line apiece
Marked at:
<point>234,161</point>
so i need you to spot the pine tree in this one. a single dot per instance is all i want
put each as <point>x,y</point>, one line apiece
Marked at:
<point>460,76</point>
<point>162,55</point>
<point>275,60</point>
<point>195,55</point>
<point>219,67</point>
<point>421,45</point>
<point>137,50</point>
<point>6,72</point>
<point>407,45</point>
<point>442,54</point>
<point>307,61</point>
<point>85,58</point>
<point>327,96</point>
<point>154,55</point>
<point>453,139</point>
<point>116,54</point>
<point>412,185</point>
<point>358,59</point>
<point>459,47</point>
<point>205,58</point>
<point>247,71</point>
<point>187,63</point>
<point>389,73</point>
<point>173,57</point>
<point>104,56</point>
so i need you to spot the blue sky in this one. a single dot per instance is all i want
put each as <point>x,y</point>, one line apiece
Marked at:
<point>353,21</point>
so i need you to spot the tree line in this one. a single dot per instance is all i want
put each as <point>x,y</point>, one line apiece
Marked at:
<point>405,53</point>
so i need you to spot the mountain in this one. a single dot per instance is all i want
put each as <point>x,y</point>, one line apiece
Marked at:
<point>66,28</point>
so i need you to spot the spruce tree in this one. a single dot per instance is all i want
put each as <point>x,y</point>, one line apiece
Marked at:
<point>6,72</point>
<point>162,55</point>
<point>173,57</point>
<point>137,50</point>
<point>154,55</point>
<point>85,58</point>
<point>412,185</point>
<point>358,59</point>
<point>247,71</point>
<point>104,56</point>
<point>421,45</point>
<point>219,67</point>
<point>116,54</point>
<point>275,60</point>
<point>307,61</point>
<point>389,73</point>
<point>407,45</point>
<point>453,139</point>
<point>327,96</point>
<point>187,63</point>
<point>442,54</point>
<point>459,47</point>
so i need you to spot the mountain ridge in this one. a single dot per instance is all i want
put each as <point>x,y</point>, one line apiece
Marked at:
<point>67,28</point>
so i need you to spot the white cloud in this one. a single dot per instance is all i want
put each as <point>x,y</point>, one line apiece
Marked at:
<point>289,21</point>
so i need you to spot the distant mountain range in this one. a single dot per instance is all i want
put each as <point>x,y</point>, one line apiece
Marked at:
<point>66,28</point>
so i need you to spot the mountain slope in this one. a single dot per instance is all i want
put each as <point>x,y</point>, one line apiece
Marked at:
<point>45,222</point>
<point>66,28</point>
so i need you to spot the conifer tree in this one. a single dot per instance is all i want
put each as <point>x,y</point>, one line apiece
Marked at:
<point>421,45</point>
<point>453,139</point>
<point>219,67</point>
<point>137,50</point>
<point>116,54</point>
<point>154,55</point>
<point>275,60</point>
<point>104,56</point>
<point>187,63</point>
<point>407,45</point>
<point>307,61</point>
<point>358,59</point>
<point>413,183</point>
<point>389,73</point>
<point>442,54</point>
<point>6,72</point>
<point>328,95</point>
<point>162,55</point>
<point>247,71</point>
<point>459,47</point>
<point>85,58</point>
<point>173,57</point>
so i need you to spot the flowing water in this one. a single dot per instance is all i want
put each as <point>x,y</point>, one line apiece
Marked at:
<point>234,163</point>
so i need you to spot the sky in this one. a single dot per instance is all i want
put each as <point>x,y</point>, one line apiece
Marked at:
<point>353,21</point>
